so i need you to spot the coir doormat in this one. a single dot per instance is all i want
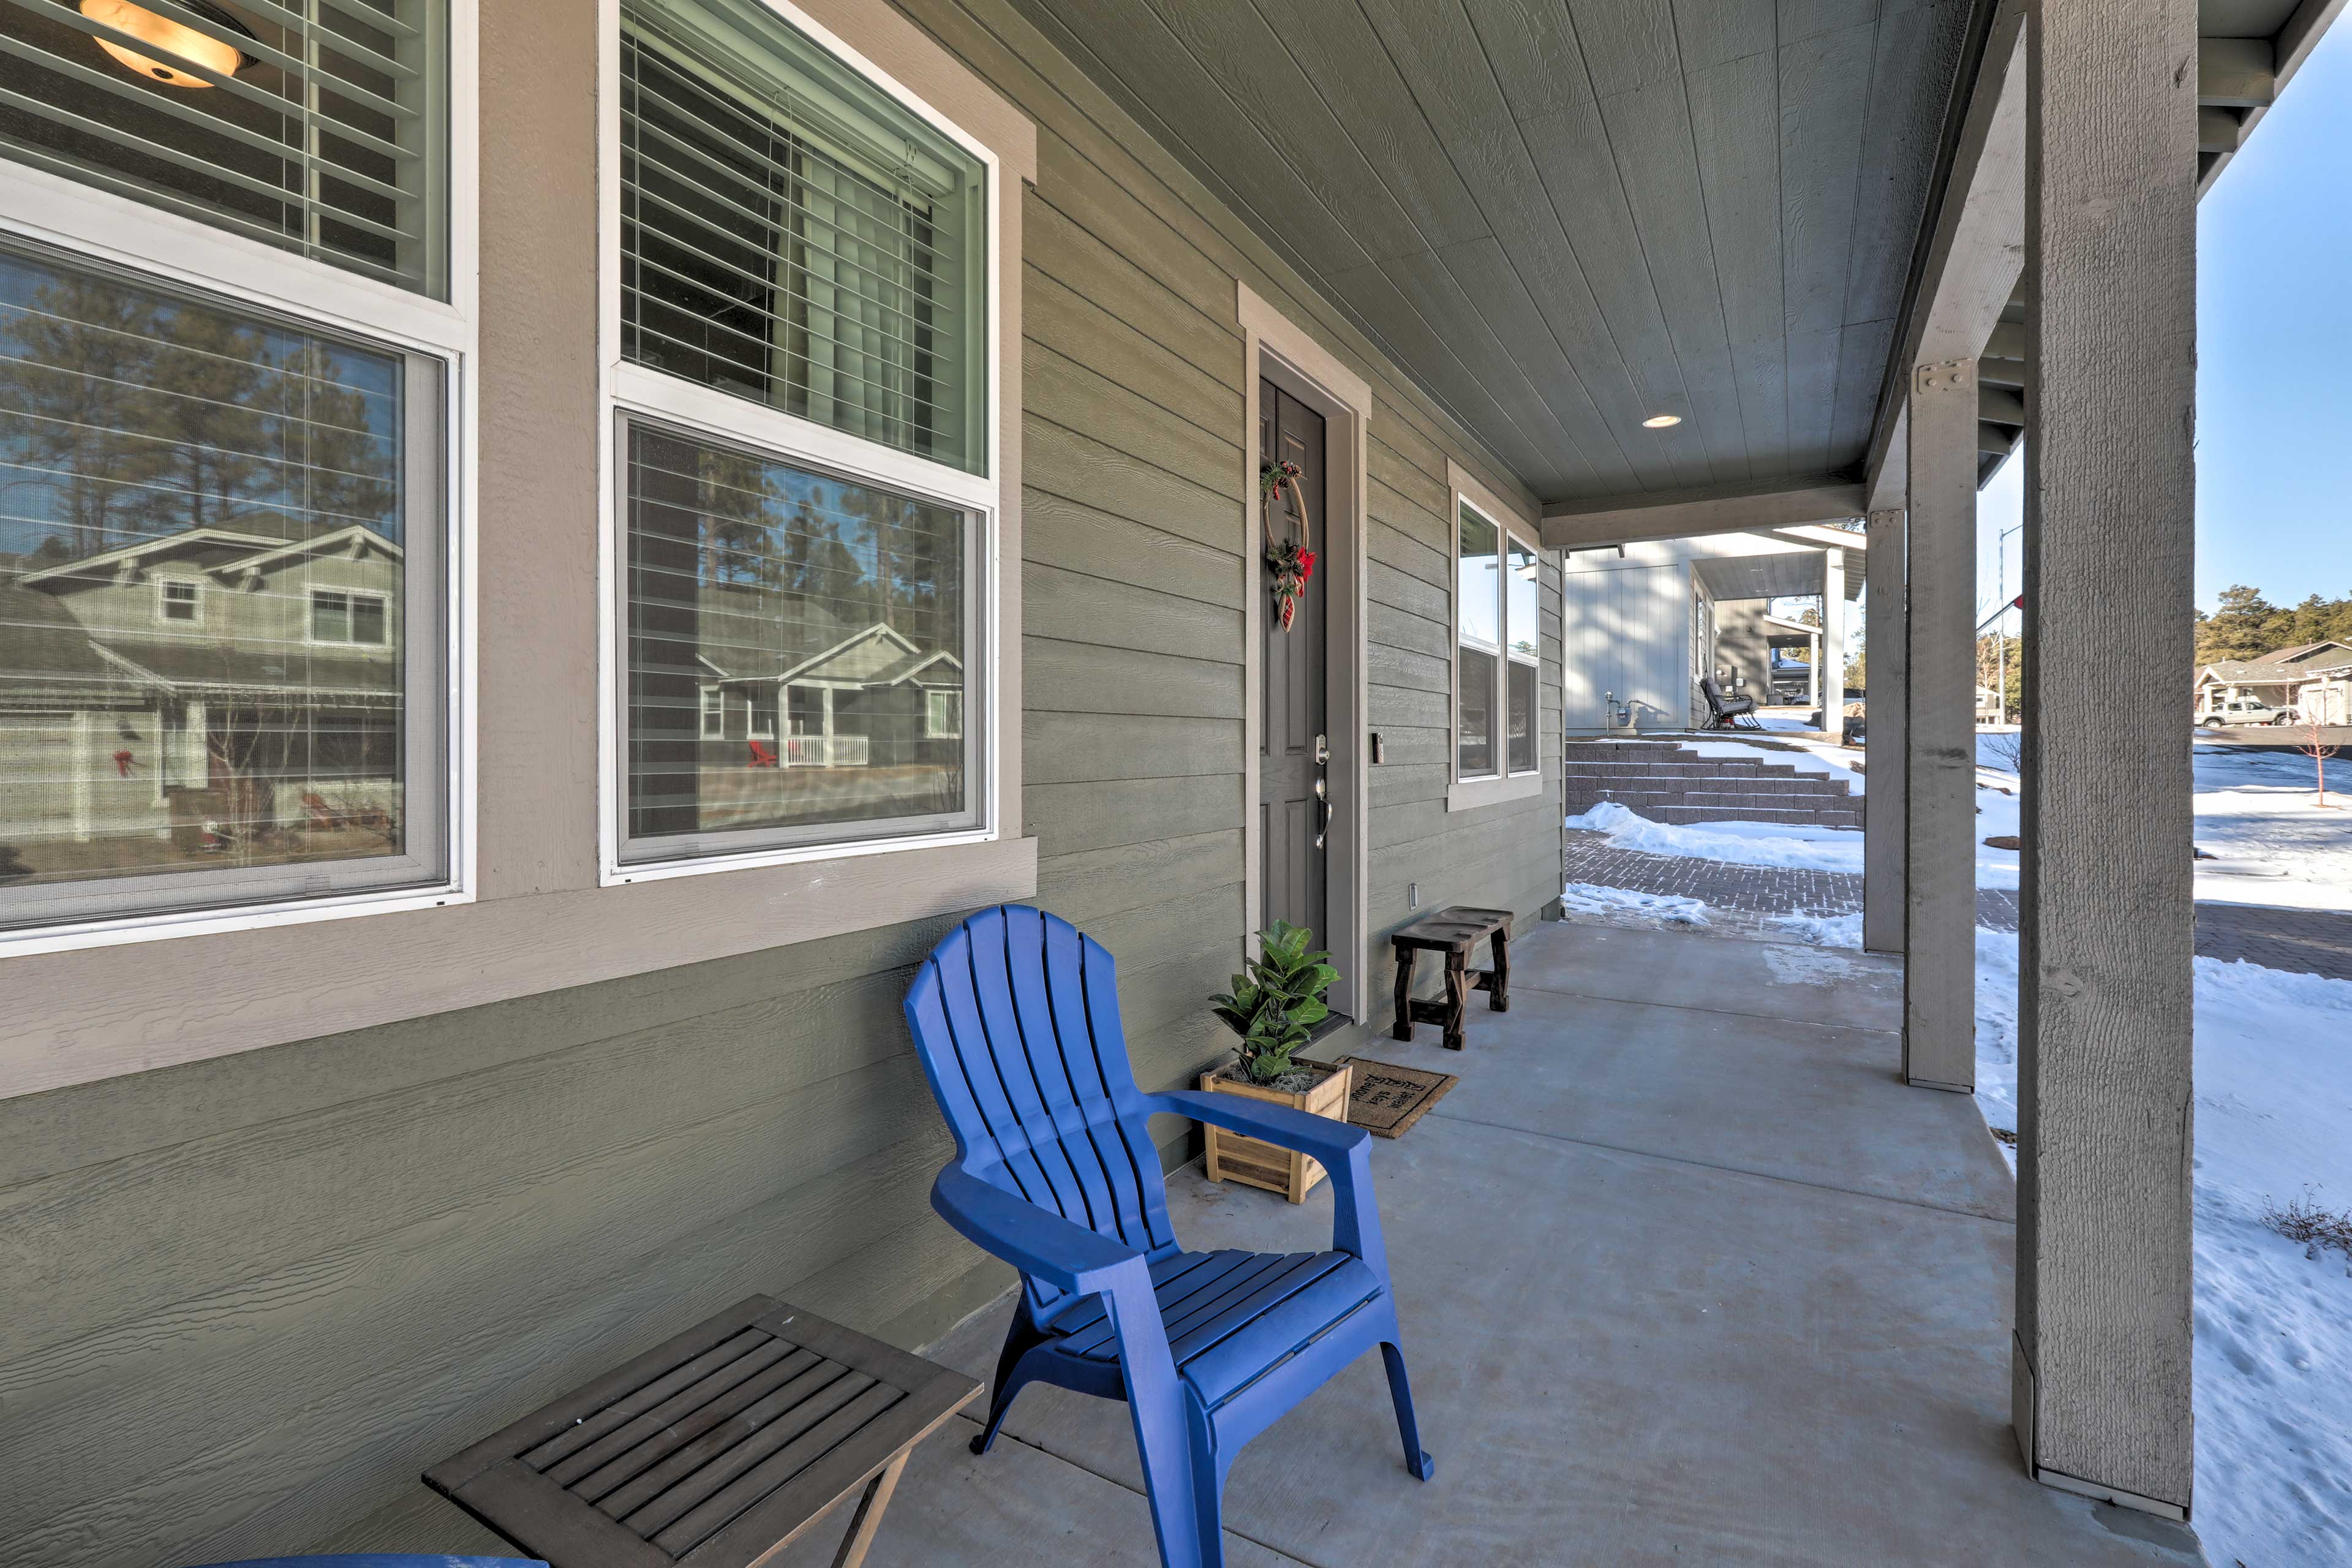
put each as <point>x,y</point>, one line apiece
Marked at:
<point>1388,1100</point>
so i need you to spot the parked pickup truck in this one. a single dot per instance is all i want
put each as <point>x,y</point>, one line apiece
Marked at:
<point>2246,710</point>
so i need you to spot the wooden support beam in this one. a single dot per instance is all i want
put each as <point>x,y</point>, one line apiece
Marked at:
<point>1715,509</point>
<point>2101,1383</point>
<point>1882,742</point>
<point>1999,405</point>
<point>1997,440</point>
<point>2241,72</point>
<point>1831,677</point>
<point>1940,742</point>
<point>2007,342</point>
<point>1978,245</point>
<point>2218,130</point>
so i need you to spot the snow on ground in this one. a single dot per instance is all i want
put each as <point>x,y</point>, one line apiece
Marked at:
<point>2273,1361</point>
<point>1790,845</point>
<point>1668,908</point>
<point>2257,812</point>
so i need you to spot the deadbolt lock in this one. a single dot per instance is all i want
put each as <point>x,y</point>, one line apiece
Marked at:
<point>1323,751</point>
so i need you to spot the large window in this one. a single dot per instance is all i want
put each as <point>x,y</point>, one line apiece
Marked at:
<point>804,499</point>
<point>221,550</point>
<point>320,127</point>
<point>794,235</point>
<point>1497,657</point>
<point>795,640</point>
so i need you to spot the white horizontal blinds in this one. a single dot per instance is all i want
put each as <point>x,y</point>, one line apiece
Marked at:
<point>1477,609</point>
<point>320,126</point>
<point>1522,635</point>
<point>792,234</point>
<point>792,636</point>
<point>185,491</point>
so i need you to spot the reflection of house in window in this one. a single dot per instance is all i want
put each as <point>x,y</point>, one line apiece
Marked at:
<point>872,700</point>
<point>165,685</point>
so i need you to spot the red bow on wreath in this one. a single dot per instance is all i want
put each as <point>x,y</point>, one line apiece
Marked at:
<point>1290,563</point>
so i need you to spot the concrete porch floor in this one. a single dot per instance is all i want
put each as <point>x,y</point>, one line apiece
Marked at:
<point>1687,1276</point>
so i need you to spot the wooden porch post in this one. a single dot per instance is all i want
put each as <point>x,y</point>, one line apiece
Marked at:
<point>1881,737</point>
<point>1831,677</point>
<point>1939,741</point>
<point>2101,1386</point>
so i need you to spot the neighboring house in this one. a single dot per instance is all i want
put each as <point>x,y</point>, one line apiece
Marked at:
<point>2327,695</point>
<point>2272,678</point>
<point>196,687</point>
<point>873,699</point>
<point>1645,623</point>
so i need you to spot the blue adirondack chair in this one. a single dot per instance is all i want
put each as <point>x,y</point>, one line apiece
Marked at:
<point>382,1560</point>
<point>1015,1016</point>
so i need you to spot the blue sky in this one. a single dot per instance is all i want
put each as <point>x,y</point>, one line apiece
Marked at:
<point>2274,358</point>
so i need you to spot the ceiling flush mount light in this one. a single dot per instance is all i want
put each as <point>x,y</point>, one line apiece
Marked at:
<point>1662,421</point>
<point>176,40</point>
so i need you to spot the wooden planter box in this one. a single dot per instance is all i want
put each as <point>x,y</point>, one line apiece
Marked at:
<point>1257,1163</point>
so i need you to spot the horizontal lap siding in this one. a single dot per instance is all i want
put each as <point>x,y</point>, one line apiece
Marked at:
<point>246,1300</point>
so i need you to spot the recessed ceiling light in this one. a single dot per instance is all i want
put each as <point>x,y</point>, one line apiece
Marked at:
<point>1662,421</point>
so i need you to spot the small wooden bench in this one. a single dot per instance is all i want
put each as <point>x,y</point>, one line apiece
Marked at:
<point>1453,932</point>
<point>716,1448</point>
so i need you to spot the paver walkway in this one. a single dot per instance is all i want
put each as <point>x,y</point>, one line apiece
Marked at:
<point>2313,941</point>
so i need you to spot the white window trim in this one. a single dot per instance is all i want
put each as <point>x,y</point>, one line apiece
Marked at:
<point>931,731</point>
<point>1510,526</point>
<point>352,597</point>
<point>85,221</point>
<point>163,611</point>
<point>632,390</point>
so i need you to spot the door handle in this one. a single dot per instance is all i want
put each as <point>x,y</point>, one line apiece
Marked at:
<point>1324,811</point>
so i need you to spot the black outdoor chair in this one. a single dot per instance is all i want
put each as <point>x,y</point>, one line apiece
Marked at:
<point>1725,712</point>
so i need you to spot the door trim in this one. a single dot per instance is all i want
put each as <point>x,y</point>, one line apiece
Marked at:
<point>1279,349</point>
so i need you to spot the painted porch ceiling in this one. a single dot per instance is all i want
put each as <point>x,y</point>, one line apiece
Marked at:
<point>1777,576</point>
<point>1564,216</point>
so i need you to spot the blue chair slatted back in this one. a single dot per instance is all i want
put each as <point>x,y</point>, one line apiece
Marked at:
<point>1016,1015</point>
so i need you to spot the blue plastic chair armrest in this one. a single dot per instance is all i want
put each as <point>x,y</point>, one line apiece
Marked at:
<point>1318,1136</point>
<point>1042,1244</point>
<point>1342,1151</point>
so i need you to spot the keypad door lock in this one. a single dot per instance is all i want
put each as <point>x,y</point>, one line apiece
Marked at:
<point>1322,750</point>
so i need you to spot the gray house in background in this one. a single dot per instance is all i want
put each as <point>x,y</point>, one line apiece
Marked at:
<point>1645,621</point>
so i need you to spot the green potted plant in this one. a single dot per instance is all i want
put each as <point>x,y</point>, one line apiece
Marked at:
<point>1274,1007</point>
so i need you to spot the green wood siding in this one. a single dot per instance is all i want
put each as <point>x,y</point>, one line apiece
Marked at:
<point>249,1299</point>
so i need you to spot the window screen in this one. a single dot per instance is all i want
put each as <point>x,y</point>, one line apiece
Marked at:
<point>792,234</point>
<point>260,483</point>
<point>319,126</point>
<point>799,647</point>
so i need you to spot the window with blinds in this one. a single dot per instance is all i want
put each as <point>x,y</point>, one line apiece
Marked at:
<point>798,650</point>
<point>220,549</point>
<point>320,126</point>
<point>794,235</point>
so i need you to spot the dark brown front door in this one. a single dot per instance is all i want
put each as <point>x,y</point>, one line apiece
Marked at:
<point>1294,764</point>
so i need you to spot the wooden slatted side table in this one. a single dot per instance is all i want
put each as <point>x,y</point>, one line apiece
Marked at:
<point>716,1449</point>
<point>1453,932</point>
